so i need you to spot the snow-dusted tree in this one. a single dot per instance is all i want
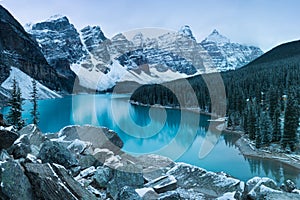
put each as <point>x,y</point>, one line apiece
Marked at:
<point>252,121</point>
<point>291,123</point>
<point>277,125</point>
<point>266,127</point>
<point>14,116</point>
<point>34,97</point>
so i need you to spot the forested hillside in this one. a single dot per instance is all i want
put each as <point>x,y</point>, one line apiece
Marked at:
<point>259,97</point>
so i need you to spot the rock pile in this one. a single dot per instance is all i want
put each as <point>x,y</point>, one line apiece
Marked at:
<point>86,162</point>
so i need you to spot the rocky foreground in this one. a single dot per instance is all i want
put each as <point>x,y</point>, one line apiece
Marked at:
<point>85,162</point>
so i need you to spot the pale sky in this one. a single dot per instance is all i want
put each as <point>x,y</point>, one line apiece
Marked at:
<point>264,23</point>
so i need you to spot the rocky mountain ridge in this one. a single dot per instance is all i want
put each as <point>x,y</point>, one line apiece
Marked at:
<point>19,50</point>
<point>100,62</point>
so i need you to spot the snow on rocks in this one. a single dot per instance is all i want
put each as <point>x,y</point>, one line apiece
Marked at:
<point>100,173</point>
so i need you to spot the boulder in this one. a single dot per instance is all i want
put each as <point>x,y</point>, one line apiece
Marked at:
<point>154,166</point>
<point>147,193</point>
<point>201,181</point>
<point>54,152</point>
<point>288,186</point>
<point>7,138</point>
<point>79,191</point>
<point>163,184</point>
<point>21,147</point>
<point>46,183</point>
<point>78,146</point>
<point>258,187</point>
<point>260,192</point>
<point>14,183</point>
<point>102,176</point>
<point>100,137</point>
<point>170,195</point>
<point>129,175</point>
<point>128,193</point>
<point>29,129</point>
<point>86,161</point>
<point>4,155</point>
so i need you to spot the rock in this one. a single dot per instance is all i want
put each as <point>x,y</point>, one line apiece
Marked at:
<point>98,193</point>
<point>100,137</point>
<point>128,175</point>
<point>54,152</point>
<point>4,155</point>
<point>128,193</point>
<point>154,166</point>
<point>7,138</point>
<point>29,129</point>
<point>46,183</point>
<point>86,161</point>
<point>201,181</point>
<point>191,194</point>
<point>31,159</point>
<point>170,195</point>
<point>78,146</point>
<point>282,196</point>
<point>14,183</point>
<point>147,193</point>
<point>107,158</point>
<point>257,181</point>
<point>163,184</point>
<point>21,147</point>
<point>37,138</point>
<point>87,172</point>
<point>288,186</point>
<point>260,192</point>
<point>259,187</point>
<point>79,191</point>
<point>102,176</point>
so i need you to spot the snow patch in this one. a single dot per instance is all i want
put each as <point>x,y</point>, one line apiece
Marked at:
<point>227,196</point>
<point>25,83</point>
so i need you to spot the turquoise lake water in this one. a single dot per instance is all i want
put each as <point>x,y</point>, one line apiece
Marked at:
<point>172,133</point>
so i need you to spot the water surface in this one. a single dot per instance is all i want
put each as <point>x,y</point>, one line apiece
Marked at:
<point>179,137</point>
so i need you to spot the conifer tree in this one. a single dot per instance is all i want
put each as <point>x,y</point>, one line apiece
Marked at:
<point>291,123</point>
<point>15,102</point>
<point>34,96</point>
<point>277,125</point>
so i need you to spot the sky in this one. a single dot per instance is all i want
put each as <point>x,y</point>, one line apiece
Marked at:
<point>263,23</point>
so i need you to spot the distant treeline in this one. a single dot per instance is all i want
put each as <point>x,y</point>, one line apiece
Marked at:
<point>262,98</point>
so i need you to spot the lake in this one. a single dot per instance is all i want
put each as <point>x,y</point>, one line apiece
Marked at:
<point>174,133</point>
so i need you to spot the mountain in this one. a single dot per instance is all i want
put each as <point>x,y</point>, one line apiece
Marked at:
<point>18,49</point>
<point>275,73</point>
<point>25,83</point>
<point>100,63</point>
<point>61,45</point>
<point>227,55</point>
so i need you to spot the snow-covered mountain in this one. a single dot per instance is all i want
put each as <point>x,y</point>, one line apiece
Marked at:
<point>227,55</point>
<point>25,83</point>
<point>100,62</point>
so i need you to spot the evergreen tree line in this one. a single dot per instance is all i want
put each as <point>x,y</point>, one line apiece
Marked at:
<point>261,99</point>
<point>14,116</point>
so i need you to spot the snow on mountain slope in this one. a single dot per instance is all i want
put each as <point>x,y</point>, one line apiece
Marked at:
<point>100,62</point>
<point>226,55</point>
<point>25,83</point>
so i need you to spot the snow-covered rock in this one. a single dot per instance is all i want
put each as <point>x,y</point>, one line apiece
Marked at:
<point>226,55</point>
<point>25,83</point>
<point>100,63</point>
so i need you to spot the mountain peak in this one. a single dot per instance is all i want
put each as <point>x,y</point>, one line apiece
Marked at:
<point>216,37</point>
<point>57,17</point>
<point>186,31</point>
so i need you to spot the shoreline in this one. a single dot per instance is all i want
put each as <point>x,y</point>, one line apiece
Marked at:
<point>242,143</point>
<point>248,150</point>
